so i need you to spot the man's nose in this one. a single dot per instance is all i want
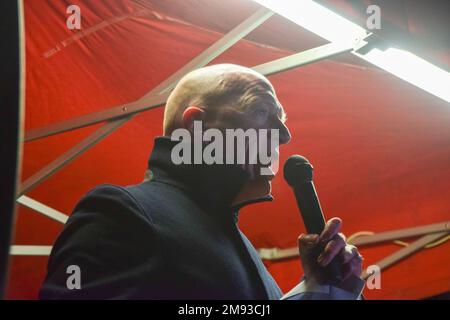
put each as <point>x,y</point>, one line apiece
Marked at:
<point>285,135</point>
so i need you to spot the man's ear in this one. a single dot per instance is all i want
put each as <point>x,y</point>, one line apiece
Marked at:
<point>190,115</point>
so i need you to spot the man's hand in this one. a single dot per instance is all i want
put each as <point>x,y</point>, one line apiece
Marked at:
<point>317,251</point>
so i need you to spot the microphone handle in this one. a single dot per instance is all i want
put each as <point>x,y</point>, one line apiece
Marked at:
<point>308,203</point>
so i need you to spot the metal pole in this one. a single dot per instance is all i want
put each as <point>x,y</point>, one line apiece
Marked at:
<point>43,209</point>
<point>152,99</point>
<point>70,155</point>
<point>406,252</point>
<point>269,68</point>
<point>11,102</point>
<point>156,97</point>
<point>302,58</point>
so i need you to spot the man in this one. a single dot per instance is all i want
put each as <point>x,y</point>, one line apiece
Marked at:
<point>176,236</point>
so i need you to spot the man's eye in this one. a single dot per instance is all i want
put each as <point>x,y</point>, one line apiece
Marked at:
<point>260,113</point>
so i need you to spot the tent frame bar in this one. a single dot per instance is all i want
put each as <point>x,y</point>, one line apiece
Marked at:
<point>64,159</point>
<point>405,252</point>
<point>21,250</point>
<point>158,96</point>
<point>401,234</point>
<point>429,233</point>
<point>43,209</point>
<point>154,98</point>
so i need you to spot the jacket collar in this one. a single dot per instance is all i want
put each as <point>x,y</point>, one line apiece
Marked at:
<point>213,187</point>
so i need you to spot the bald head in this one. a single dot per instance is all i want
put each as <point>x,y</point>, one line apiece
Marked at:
<point>222,91</point>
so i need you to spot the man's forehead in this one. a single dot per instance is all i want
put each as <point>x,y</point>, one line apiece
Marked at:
<point>272,100</point>
<point>230,79</point>
<point>266,93</point>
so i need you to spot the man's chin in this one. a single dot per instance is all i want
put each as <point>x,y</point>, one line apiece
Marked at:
<point>254,190</point>
<point>265,185</point>
<point>269,188</point>
<point>264,181</point>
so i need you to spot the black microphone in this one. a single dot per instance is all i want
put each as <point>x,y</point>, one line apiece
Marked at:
<point>298,173</point>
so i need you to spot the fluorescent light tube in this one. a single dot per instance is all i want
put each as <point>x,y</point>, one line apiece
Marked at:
<point>412,69</point>
<point>334,28</point>
<point>317,19</point>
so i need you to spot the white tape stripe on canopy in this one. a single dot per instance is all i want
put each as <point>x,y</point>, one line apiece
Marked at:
<point>30,250</point>
<point>42,208</point>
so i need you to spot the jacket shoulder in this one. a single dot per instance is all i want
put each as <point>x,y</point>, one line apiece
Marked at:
<point>158,199</point>
<point>107,235</point>
<point>110,198</point>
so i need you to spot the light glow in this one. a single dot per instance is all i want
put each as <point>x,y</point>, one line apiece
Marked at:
<point>412,69</point>
<point>317,19</point>
<point>334,28</point>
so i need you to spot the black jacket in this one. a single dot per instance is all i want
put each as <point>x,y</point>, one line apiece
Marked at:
<point>173,237</point>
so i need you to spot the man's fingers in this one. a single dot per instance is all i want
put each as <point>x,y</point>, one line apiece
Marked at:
<point>331,250</point>
<point>348,253</point>
<point>331,229</point>
<point>306,245</point>
<point>353,267</point>
<point>308,240</point>
<point>332,244</point>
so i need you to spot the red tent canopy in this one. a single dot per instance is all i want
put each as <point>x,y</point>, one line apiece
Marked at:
<point>380,146</point>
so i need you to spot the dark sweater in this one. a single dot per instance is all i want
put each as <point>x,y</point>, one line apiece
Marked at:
<point>173,237</point>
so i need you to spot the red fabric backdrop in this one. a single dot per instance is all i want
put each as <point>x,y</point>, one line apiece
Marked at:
<point>381,147</point>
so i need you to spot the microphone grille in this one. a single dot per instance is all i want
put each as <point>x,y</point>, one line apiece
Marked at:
<point>297,170</point>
